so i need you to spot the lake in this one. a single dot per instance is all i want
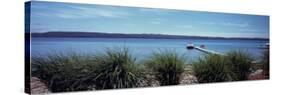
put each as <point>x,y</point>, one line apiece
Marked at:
<point>143,48</point>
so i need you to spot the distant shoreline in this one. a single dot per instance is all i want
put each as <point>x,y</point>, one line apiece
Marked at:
<point>120,35</point>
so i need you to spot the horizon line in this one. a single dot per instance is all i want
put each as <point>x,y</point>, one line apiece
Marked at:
<point>146,34</point>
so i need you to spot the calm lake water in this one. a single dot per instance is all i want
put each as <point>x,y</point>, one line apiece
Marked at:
<point>142,48</point>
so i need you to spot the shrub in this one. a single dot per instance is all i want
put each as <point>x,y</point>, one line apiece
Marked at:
<point>117,69</point>
<point>168,67</point>
<point>65,72</point>
<point>240,62</point>
<point>212,68</point>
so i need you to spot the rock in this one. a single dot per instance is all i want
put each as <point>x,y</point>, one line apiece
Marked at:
<point>188,79</point>
<point>257,75</point>
<point>38,87</point>
<point>151,80</point>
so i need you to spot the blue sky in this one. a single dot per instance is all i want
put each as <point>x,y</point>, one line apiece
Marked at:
<point>47,16</point>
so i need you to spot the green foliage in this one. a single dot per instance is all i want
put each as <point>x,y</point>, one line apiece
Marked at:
<point>240,62</point>
<point>234,66</point>
<point>65,72</point>
<point>168,67</point>
<point>212,68</point>
<point>73,72</point>
<point>117,69</point>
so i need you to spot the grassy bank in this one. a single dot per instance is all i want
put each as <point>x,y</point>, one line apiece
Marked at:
<point>117,68</point>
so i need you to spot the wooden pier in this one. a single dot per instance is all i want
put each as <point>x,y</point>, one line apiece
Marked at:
<point>201,48</point>
<point>207,51</point>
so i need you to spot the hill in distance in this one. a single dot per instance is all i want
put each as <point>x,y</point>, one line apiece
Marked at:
<point>62,34</point>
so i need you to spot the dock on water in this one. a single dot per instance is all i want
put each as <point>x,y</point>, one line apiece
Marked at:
<point>201,48</point>
<point>207,51</point>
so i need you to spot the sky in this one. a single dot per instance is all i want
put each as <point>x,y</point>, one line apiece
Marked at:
<point>50,16</point>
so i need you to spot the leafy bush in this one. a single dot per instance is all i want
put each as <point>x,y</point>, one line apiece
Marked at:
<point>212,68</point>
<point>117,69</point>
<point>65,72</point>
<point>168,67</point>
<point>240,62</point>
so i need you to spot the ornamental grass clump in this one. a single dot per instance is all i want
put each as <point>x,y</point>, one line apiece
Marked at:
<point>167,66</point>
<point>212,68</point>
<point>117,69</point>
<point>240,62</point>
<point>65,72</point>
